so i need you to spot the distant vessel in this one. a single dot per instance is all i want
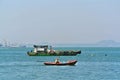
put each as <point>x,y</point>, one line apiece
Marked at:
<point>44,51</point>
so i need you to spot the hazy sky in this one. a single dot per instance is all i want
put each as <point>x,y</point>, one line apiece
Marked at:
<point>59,21</point>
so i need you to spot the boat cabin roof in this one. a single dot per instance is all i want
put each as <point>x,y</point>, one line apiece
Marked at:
<point>40,46</point>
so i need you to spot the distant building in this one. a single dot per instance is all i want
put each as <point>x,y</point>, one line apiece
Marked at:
<point>1,45</point>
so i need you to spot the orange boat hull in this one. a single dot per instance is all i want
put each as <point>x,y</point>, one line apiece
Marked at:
<point>71,62</point>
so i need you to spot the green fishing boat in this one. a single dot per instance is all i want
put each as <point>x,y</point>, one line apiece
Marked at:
<point>44,51</point>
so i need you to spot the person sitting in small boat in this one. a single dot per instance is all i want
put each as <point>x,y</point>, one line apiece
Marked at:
<point>57,61</point>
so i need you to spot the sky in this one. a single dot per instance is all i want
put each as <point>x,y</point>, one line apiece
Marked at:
<point>59,21</point>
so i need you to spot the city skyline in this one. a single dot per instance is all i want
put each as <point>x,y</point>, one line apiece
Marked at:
<point>103,43</point>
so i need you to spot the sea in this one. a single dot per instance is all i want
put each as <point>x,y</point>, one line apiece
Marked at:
<point>94,63</point>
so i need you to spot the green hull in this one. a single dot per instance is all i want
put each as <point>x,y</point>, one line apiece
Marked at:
<point>57,53</point>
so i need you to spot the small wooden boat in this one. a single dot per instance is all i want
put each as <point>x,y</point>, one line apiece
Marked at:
<point>71,62</point>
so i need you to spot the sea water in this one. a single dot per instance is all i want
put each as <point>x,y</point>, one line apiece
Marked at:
<point>94,63</point>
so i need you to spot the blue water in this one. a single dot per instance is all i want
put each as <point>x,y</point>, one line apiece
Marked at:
<point>95,63</point>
